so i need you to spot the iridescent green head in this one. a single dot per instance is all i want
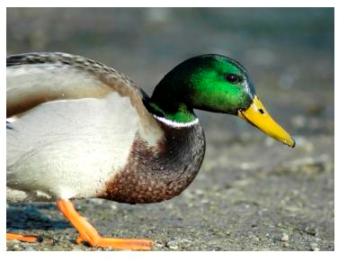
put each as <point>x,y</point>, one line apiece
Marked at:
<point>213,83</point>
<point>208,82</point>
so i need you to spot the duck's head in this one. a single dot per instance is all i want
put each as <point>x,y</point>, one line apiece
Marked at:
<point>213,83</point>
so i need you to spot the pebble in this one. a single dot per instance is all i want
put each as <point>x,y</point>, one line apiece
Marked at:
<point>172,244</point>
<point>29,248</point>
<point>16,246</point>
<point>205,201</point>
<point>77,248</point>
<point>284,237</point>
<point>97,201</point>
<point>175,244</point>
<point>227,233</point>
<point>314,247</point>
<point>114,207</point>
<point>255,238</point>
<point>199,192</point>
<point>159,244</point>
<point>245,166</point>
<point>311,230</point>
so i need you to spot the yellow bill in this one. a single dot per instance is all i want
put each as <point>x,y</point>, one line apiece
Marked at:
<point>258,116</point>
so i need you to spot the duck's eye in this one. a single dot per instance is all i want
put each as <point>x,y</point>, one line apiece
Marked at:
<point>232,78</point>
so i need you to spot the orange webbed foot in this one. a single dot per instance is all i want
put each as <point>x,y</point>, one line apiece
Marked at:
<point>23,238</point>
<point>118,243</point>
<point>88,234</point>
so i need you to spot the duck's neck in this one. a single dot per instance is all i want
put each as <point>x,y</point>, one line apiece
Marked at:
<point>173,114</point>
<point>170,102</point>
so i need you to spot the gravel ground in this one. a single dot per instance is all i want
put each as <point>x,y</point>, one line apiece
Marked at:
<point>252,193</point>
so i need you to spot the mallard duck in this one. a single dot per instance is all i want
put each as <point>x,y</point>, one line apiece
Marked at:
<point>77,128</point>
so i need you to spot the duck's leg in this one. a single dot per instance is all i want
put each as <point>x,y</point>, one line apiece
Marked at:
<point>23,238</point>
<point>89,234</point>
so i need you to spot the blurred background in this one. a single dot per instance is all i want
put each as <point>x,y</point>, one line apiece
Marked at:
<point>252,193</point>
<point>288,51</point>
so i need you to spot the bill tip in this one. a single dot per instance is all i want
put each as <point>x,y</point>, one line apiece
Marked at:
<point>292,143</point>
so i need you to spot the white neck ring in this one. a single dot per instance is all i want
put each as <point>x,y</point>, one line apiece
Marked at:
<point>175,124</point>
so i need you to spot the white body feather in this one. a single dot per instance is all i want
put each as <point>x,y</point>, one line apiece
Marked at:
<point>70,148</point>
<point>67,147</point>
